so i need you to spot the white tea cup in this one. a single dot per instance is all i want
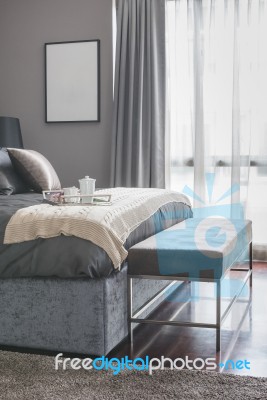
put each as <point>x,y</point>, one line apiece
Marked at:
<point>71,191</point>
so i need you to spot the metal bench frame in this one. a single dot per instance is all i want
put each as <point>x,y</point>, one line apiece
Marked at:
<point>134,318</point>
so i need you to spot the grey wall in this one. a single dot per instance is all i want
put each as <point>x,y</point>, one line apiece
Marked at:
<point>75,149</point>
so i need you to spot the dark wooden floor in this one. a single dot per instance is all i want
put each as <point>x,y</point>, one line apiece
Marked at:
<point>176,342</point>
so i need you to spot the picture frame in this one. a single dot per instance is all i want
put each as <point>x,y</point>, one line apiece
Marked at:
<point>72,81</point>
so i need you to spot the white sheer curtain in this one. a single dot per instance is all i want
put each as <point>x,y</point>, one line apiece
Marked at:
<point>217,104</point>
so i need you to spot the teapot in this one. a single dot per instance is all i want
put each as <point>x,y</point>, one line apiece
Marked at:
<point>87,186</point>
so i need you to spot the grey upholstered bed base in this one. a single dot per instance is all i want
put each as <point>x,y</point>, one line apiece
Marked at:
<point>87,316</point>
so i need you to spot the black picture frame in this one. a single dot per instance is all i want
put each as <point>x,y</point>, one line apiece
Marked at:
<point>70,94</point>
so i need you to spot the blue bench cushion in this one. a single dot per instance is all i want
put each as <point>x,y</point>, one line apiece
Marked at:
<point>194,248</point>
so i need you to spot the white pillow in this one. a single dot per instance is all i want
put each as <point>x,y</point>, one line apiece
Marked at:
<point>35,169</point>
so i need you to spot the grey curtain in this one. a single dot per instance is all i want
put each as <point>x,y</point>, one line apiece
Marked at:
<point>138,150</point>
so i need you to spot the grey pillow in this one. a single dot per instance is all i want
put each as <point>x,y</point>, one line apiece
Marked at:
<point>35,169</point>
<point>10,181</point>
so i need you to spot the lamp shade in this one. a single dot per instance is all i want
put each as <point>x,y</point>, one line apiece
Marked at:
<point>10,133</point>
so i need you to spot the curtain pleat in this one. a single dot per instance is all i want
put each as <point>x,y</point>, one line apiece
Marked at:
<point>138,131</point>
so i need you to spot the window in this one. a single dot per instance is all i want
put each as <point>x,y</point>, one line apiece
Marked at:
<point>217,97</point>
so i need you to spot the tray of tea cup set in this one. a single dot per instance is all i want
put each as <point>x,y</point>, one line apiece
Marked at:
<point>58,198</point>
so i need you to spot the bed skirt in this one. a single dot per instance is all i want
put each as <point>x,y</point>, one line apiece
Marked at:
<point>86,316</point>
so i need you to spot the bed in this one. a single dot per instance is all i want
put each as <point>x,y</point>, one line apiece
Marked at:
<point>63,293</point>
<point>60,290</point>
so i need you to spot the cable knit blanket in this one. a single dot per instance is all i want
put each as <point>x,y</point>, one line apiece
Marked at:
<point>106,226</point>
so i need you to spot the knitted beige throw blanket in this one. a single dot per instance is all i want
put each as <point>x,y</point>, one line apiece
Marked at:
<point>106,226</point>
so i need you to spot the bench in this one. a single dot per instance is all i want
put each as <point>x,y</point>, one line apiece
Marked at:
<point>195,250</point>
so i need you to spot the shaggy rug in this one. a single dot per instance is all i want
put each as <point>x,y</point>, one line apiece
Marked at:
<point>29,376</point>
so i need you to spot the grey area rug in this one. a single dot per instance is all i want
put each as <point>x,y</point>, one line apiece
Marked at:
<point>28,376</point>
